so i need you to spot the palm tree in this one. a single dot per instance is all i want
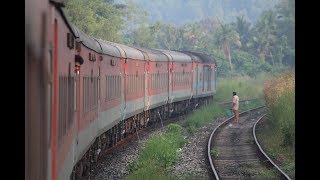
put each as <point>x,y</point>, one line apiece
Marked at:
<point>243,28</point>
<point>265,35</point>
<point>225,37</point>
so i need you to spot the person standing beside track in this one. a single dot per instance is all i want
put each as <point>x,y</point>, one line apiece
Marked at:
<point>235,107</point>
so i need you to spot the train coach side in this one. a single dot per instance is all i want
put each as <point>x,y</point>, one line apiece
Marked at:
<point>204,75</point>
<point>157,78</point>
<point>180,76</point>
<point>86,110</point>
<point>133,70</point>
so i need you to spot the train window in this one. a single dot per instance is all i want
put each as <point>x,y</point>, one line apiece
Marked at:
<point>78,46</point>
<point>127,88</point>
<point>112,87</point>
<point>141,82</point>
<point>70,40</point>
<point>66,105</point>
<point>161,81</point>
<point>106,88</point>
<point>209,79</point>
<point>129,84</point>
<point>119,86</point>
<point>153,81</point>
<point>134,83</point>
<point>90,93</point>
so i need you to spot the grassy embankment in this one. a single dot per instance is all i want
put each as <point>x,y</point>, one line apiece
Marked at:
<point>161,151</point>
<point>278,133</point>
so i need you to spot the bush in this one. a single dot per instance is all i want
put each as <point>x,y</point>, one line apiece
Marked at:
<point>280,101</point>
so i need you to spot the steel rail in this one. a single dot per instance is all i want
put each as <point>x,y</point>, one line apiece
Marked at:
<point>211,136</point>
<point>262,151</point>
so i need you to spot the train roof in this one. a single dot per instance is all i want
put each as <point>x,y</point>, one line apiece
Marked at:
<point>124,51</point>
<point>108,49</point>
<point>127,51</point>
<point>200,57</point>
<point>193,57</point>
<point>153,54</point>
<point>176,56</point>
<point>86,40</point>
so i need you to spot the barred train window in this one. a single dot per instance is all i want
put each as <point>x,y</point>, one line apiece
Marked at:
<point>112,87</point>
<point>135,83</point>
<point>66,105</point>
<point>159,81</point>
<point>182,79</point>
<point>90,93</point>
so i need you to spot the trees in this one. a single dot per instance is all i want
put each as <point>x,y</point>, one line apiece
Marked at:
<point>242,26</point>
<point>264,35</point>
<point>95,18</point>
<point>226,37</point>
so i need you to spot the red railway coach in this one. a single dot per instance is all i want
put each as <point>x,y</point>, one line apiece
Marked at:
<point>181,75</point>
<point>204,73</point>
<point>75,110</point>
<point>157,79</point>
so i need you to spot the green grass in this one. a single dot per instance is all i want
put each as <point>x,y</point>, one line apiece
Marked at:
<point>261,173</point>
<point>160,152</point>
<point>282,115</point>
<point>251,104</point>
<point>245,87</point>
<point>271,140</point>
<point>215,152</point>
<point>278,133</point>
<point>203,116</point>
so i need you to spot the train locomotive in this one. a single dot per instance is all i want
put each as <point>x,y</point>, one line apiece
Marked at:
<point>84,95</point>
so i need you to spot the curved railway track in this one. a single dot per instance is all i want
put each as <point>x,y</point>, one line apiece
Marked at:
<point>234,152</point>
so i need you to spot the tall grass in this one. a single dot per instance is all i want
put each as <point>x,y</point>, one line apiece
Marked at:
<point>278,134</point>
<point>280,101</point>
<point>245,86</point>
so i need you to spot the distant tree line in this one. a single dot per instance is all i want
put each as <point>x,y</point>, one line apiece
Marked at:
<point>239,47</point>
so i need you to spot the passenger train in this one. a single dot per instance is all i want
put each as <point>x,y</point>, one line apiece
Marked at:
<point>84,94</point>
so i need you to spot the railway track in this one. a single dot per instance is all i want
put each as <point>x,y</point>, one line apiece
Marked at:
<point>234,152</point>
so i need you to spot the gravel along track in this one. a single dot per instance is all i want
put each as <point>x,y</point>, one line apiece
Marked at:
<point>236,154</point>
<point>193,162</point>
<point>114,165</point>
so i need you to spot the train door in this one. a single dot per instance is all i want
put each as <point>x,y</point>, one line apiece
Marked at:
<point>146,85</point>
<point>168,80</point>
<point>170,87</point>
<point>197,78</point>
<point>76,116</point>
<point>123,70</point>
<point>203,76</point>
<point>209,78</point>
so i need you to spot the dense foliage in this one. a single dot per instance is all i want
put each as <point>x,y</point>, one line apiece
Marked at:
<point>242,46</point>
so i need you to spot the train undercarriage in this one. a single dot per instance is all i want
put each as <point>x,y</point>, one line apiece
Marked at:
<point>128,127</point>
